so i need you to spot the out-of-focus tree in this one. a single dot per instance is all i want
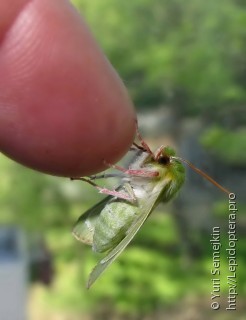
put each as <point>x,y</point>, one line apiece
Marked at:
<point>189,54</point>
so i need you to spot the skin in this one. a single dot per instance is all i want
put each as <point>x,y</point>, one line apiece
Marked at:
<point>63,108</point>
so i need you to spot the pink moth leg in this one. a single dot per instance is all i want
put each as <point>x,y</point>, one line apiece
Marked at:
<point>132,172</point>
<point>114,193</point>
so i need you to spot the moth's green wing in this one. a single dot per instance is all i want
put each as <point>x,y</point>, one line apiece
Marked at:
<point>114,253</point>
<point>85,225</point>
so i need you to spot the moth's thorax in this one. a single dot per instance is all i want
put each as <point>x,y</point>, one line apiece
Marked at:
<point>171,175</point>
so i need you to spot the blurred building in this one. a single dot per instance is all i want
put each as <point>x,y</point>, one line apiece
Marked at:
<point>13,274</point>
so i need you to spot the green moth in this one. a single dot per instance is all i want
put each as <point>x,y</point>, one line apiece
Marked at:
<point>111,224</point>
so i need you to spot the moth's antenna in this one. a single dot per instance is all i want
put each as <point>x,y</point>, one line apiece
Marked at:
<point>203,174</point>
<point>143,143</point>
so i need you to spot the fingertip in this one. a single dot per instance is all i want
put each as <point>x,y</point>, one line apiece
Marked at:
<point>63,107</point>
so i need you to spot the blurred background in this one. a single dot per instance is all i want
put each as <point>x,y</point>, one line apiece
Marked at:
<point>184,64</point>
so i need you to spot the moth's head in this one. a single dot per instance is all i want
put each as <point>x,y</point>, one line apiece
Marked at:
<point>165,156</point>
<point>173,169</point>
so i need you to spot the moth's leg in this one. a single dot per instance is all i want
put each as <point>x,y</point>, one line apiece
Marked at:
<point>130,190</point>
<point>159,152</point>
<point>137,147</point>
<point>133,172</point>
<point>143,143</point>
<point>106,176</point>
<point>114,193</point>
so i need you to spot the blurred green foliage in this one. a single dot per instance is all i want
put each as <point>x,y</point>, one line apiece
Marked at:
<point>229,147</point>
<point>190,54</point>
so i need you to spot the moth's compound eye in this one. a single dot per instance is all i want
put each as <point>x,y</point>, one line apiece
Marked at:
<point>164,159</point>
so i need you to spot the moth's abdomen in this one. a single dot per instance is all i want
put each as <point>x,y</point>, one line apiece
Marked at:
<point>112,224</point>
